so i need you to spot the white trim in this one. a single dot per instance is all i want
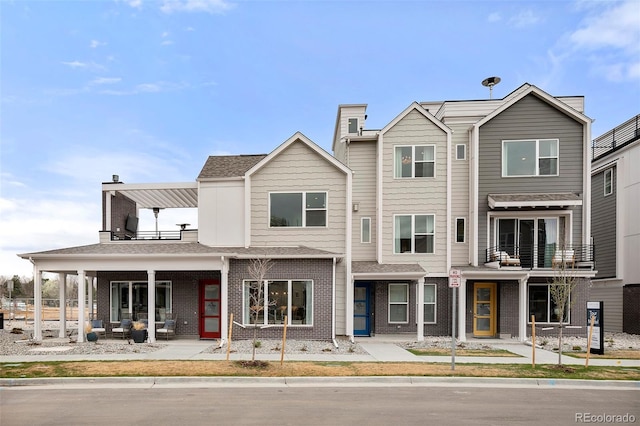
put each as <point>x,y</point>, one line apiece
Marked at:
<point>435,303</point>
<point>493,204</point>
<point>420,310</point>
<point>362,219</point>
<point>413,162</point>
<point>304,209</point>
<point>413,233</point>
<point>464,154</point>
<point>464,231</point>
<point>380,204</point>
<point>503,158</point>
<point>265,296</point>
<point>389,285</point>
<point>609,172</point>
<point>349,132</point>
<point>462,310</point>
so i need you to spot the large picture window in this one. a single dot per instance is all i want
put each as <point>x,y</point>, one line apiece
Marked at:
<point>429,306</point>
<point>415,161</point>
<point>542,305</point>
<point>536,157</point>
<point>398,303</point>
<point>414,233</point>
<point>298,209</point>
<point>274,300</point>
<point>131,298</point>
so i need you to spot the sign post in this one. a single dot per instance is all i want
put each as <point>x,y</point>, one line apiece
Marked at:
<point>454,283</point>
<point>594,316</point>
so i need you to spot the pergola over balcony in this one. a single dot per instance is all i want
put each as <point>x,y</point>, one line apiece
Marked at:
<point>152,196</point>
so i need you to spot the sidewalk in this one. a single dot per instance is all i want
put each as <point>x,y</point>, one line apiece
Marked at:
<point>377,351</point>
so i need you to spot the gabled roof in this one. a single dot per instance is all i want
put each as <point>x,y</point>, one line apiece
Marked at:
<point>529,89</point>
<point>416,107</point>
<point>228,166</point>
<point>299,137</point>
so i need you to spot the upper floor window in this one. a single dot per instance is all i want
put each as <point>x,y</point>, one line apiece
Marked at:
<point>537,157</point>
<point>608,182</point>
<point>460,229</point>
<point>415,161</point>
<point>414,233</point>
<point>353,125</point>
<point>461,152</point>
<point>365,233</point>
<point>298,209</point>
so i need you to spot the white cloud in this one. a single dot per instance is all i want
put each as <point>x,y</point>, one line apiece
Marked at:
<point>208,6</point>
<point>525,18</point>
<point>105,80</point>
<point>165,34</point>
<point>167,43</point>
<point>96,43</point>
<point>91,66</point>
<point>159,87</point>
<point>494,17</point>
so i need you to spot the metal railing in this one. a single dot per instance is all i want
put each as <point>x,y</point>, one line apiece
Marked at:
<point>147,235</point>
<point>530,256</point>
<point>620,136</point>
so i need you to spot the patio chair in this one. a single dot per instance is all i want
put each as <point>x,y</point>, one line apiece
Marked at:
<point>98,327</point>
<point>124,330</point>
<point>168,329</point>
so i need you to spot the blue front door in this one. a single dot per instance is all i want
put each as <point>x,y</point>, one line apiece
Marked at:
<point>361,310</point>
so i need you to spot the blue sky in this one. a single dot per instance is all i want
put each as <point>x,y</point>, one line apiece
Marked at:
<point>148,89</point>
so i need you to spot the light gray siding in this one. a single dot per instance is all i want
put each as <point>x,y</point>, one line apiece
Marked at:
<point>604,223</point>
<point>459,194</point>
<point>363,162</point>
<point>415,196</point>
<point>529,118</point>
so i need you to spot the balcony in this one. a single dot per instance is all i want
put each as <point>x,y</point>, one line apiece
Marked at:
<point>617,138</point>
<point>185,235</point>
<point>549,256</point>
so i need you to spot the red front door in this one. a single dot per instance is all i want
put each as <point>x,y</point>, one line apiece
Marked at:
<point>210,309</point>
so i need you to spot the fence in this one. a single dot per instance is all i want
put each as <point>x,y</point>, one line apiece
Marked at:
<point>24,309</point>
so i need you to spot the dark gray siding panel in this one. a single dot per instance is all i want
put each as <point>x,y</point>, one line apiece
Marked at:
<point>529,118</point>
<point>603,225</point>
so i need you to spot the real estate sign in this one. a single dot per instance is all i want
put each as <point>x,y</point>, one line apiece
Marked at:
<point>594,310</point>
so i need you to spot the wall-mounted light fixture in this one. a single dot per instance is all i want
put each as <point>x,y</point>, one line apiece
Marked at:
<point>356,207</point>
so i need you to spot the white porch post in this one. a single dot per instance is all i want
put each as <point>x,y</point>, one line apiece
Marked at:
<point>462,308</point>
<point>90,297</point>
<point>224,308</point>
<point>81,305</point>
<point>62,292</point>
<point>37,304</point>
<point>522,311</point>
<point>151,306</point>
<point>420,297</point>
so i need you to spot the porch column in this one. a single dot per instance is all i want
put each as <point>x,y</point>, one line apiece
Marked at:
<point>462,308</point>
<point>224,308</point>
<point>37,304</point>
<point>151,305</point>
<point>81,305</point>
<point>62,292</point>
<point>522,310</point>
<point>420,297</point>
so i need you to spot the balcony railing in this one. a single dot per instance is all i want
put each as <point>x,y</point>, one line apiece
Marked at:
<point>147,235</point>
<point>542,256</point>
<point>622,135</point>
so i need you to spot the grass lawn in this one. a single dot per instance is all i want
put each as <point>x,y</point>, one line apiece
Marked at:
<point>613,354</point>
<point>306,369</point>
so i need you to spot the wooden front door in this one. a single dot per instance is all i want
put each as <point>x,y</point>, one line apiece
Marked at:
<point>210,306</point>
<point>484,309</point>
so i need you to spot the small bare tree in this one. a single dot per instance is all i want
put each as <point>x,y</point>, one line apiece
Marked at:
<point>563,284</point>
<point>258,301</point>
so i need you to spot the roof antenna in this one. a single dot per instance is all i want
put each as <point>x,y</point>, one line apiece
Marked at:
<point>490,82</point>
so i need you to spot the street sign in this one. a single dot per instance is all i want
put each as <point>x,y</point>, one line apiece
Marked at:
<point>454,273</point>
<point>454,282</point>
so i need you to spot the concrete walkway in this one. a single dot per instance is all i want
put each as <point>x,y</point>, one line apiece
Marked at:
<point>378,350</point>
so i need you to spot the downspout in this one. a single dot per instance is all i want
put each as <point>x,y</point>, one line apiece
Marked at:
<point>333,306</point>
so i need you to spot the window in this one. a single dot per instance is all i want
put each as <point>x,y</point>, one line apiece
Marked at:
<point>414,234</point>
<point>537,157</point>
<point>460,231</point>
<point>429,304</point>
<point>398,303</point>
<point>415,161</point>
<point>542,306</point>
<point>353,125</point>
<point>298,209</point>
<point>608,182</point>
<point>284,298</point>
<point>365,230</point>
<point>131,297</point>
<point>534,240</point>
<point>461,152</point>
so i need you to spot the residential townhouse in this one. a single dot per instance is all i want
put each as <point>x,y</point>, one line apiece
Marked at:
<point>616,233</point>
<point>362,241</point>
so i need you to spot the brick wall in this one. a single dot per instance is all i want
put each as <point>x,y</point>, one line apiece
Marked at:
<point>508,314</point>
<point>630,309</point>
<point>318,270</point>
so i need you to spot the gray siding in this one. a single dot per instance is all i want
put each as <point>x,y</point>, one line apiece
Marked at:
<point>362,160</point>
<point>612,298</point>
<point>459,194</point>
<point>604,225</point>
<point>529,118</point>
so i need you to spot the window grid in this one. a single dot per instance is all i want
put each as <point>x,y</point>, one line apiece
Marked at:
<point>398,304</point>
<point>541,305</point>
<point>429,307</point>
<point>307,210</point>
<point>296,302</point>
<point>421,234</point>
<point>407,164</point>
<point>541,164</point>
